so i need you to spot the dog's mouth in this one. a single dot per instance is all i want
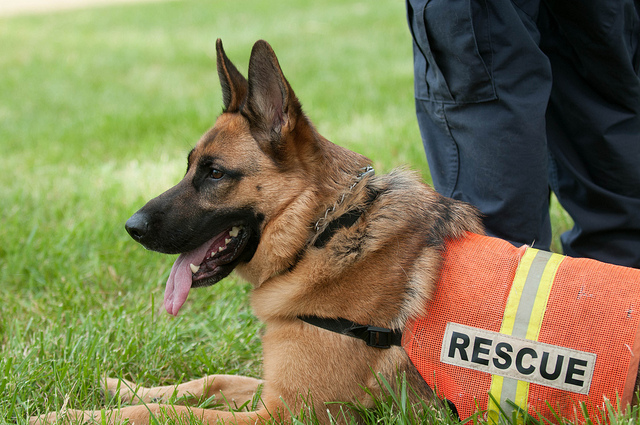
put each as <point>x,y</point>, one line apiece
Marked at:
<point>205,265</point>
<point>223,250</point>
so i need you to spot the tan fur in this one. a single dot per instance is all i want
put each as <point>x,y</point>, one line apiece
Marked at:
<point>379,271</point>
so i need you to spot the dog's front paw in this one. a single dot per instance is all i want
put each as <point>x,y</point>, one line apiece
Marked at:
<point>66,416</point>
<point>42,419</point>
<point>48,418</point>
<point>125,391</point>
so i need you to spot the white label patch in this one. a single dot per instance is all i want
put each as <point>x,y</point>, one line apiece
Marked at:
<point>521,359</point>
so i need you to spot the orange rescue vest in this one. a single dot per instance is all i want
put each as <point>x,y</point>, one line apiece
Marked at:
<point>532,328</point>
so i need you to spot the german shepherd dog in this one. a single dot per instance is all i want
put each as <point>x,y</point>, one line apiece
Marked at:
<point>315,232</point>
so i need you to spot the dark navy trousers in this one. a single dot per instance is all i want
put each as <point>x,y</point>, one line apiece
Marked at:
<point>517,98</point>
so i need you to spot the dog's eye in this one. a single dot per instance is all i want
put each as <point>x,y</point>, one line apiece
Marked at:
<point>216,174</point>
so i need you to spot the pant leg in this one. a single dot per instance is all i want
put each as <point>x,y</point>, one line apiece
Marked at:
<point>593,124</point>
<point>482,86</point>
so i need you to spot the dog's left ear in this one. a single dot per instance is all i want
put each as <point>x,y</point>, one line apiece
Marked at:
<point>272,107</point>
<point>234,85</point>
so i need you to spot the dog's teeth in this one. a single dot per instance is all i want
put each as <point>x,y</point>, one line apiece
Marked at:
<point>194,268</point>
<point>234,231</point>
<point>226,241</point>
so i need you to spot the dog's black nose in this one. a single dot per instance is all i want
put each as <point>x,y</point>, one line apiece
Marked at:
<point>137,226</point>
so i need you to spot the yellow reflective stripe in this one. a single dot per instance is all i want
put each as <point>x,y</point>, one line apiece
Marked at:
<point>495,391</point>
<point>522,318</point>
<point>521,398</point>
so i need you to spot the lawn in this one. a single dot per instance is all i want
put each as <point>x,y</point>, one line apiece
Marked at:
<point>98,110</point>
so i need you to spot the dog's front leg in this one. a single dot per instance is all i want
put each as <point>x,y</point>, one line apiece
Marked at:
<point>146,414</point>
<point>231,389</point>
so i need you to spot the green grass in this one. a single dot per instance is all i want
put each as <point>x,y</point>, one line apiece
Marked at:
<point>98,109</point>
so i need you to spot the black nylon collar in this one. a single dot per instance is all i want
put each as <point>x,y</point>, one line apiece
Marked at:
<point>374,336</point>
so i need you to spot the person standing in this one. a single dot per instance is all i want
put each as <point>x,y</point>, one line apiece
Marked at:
<point>515,98</point>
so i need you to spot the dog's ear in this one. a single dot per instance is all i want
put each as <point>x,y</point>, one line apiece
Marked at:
<point>234,85</point>
<point>272,108</point>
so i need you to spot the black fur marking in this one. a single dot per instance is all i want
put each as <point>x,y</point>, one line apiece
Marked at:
<point>443,214</point>
<point>347,219</point>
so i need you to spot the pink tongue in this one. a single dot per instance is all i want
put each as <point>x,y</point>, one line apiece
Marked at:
<point>179,282</point>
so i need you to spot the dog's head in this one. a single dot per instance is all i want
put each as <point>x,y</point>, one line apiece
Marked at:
<point>262,157</point>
